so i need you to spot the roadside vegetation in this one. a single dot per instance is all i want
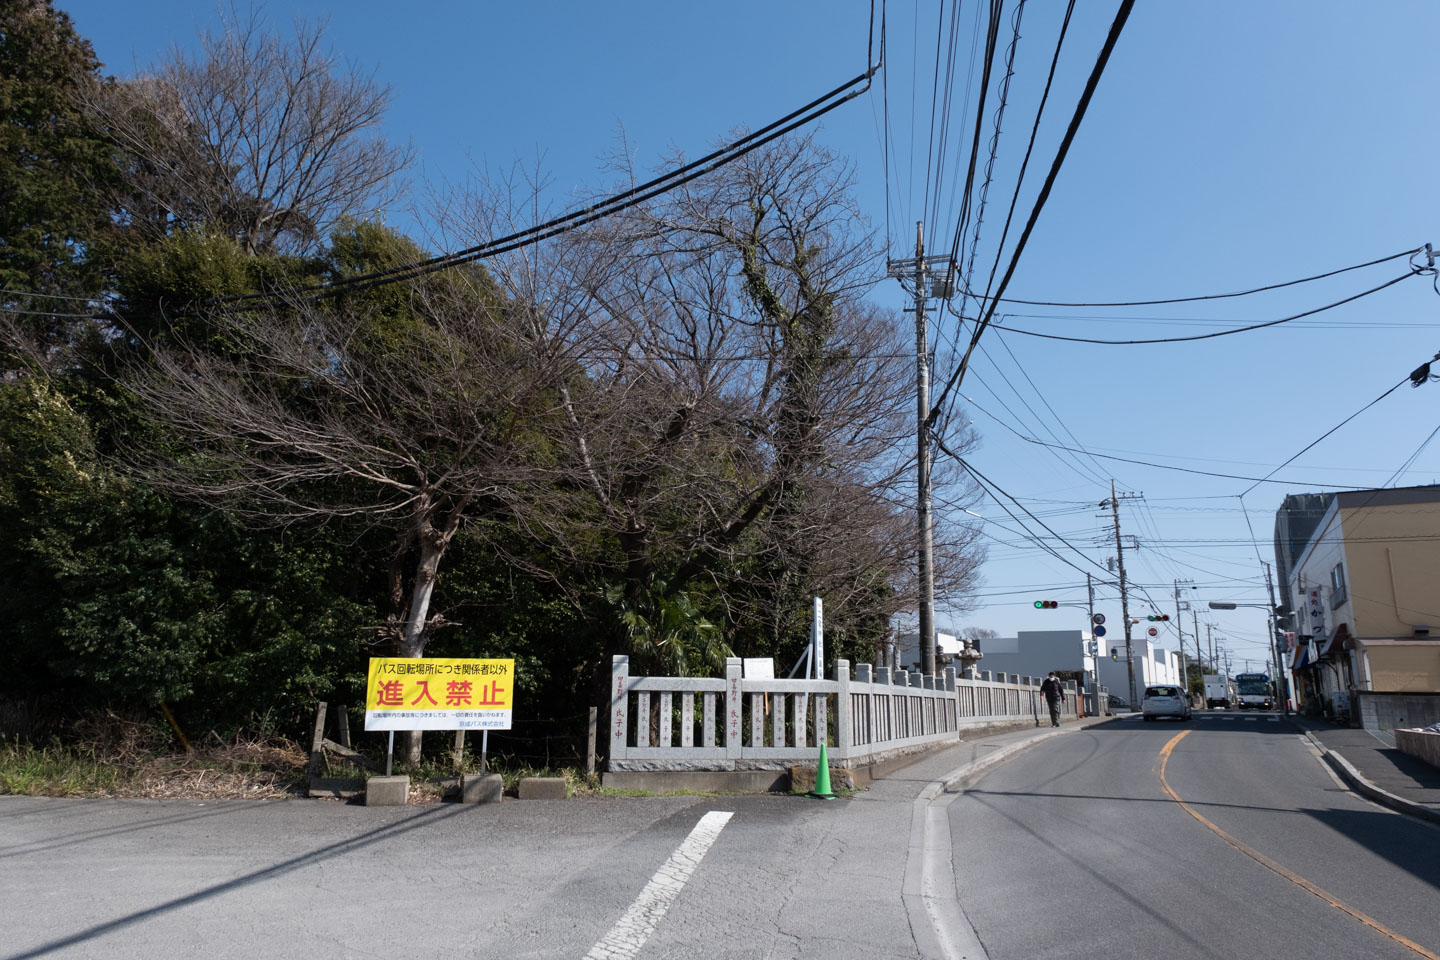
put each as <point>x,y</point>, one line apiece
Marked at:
<point>244,446</point>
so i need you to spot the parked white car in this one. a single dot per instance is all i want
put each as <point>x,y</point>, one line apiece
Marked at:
<point>1164,700</point>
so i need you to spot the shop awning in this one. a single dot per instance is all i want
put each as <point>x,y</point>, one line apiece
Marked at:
<point>1337,640</point>
<point>1302,657</point>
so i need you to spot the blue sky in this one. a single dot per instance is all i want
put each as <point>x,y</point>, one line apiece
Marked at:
<point>1230,144</point>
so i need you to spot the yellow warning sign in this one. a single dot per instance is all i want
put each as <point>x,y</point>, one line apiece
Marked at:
<point>407,693</point>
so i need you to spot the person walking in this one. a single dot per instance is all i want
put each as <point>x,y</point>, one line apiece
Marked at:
<point>1053,695</point>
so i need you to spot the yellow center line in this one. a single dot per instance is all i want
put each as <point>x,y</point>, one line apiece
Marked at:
<point>1271,865</point>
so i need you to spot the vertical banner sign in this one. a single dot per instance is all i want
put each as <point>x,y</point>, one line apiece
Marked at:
<point>405,693</point>
<point>817,638</point>
<point>1317,612</point>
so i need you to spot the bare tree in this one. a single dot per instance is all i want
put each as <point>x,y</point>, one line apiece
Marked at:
<point>416,421</point>
<point>270,140</point>
<point>740,422</point>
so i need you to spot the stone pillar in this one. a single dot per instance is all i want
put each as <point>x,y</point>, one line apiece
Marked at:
<point>863,673</point>
<point>734,708</point>
<point>882,675</point>
<point>619,706</point>
<point>843,745</point>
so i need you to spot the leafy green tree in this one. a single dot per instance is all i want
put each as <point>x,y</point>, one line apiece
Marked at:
<point>114,595</point>
<point>415,416</point>
<point>54,168</point>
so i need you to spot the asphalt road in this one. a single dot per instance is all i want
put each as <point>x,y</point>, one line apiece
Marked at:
<point>1070,848</point>
<point>1075,848</point>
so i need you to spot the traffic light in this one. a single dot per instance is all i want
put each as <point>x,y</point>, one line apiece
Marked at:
<point>1046,605</point>
<point>1158,616</point>
<point>1114,654</point>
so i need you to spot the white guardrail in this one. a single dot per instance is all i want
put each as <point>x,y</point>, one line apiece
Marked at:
<point>734,723</point>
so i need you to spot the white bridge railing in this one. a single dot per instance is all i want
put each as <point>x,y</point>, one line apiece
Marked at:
<point>735,723</point>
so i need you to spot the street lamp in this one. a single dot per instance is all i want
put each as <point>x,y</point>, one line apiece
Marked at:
<point>1275,616</point>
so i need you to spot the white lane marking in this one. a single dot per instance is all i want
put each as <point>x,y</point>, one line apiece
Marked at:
<point>632,930</point>
<point>1273,719</point>
<point>1251,719</point>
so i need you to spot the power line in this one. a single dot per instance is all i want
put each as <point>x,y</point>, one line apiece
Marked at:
<point>1110,40</point>
<point>1030,146</point>
<point>1327,433</point>
<point>1212,296</point>
<point>995,138</point>
<point>600,209</point>
<point>1222,333</point>
<point>987,485</point>
<point>1148,463</point>
<point>992,37</point>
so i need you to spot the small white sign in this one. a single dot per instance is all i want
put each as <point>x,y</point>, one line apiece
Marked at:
<point>758,668</point>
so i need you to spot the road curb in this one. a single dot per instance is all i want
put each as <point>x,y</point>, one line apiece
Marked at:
<point>1357,782</point>
<point>952,781</point>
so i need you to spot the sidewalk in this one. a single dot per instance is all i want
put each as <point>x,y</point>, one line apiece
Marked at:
<point>1374,768</point>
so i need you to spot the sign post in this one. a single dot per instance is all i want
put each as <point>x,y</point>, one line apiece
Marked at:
<point>406,693</point>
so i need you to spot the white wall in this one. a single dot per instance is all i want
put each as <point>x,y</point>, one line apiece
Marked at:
<point>1152,665</point>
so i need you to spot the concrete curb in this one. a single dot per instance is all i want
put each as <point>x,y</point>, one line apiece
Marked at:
<point>953,781</point>
<point>1357,782</point>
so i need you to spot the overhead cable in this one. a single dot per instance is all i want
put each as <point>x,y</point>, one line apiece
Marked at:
<point>598,210</point>
<point>1209,296</point>
<point>1218,333</point>
<point>1116,27</point>
<point>991,488</point>
<point>1322,436</point>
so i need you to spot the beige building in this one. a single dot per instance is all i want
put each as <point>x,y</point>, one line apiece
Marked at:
<point>1360,575</point>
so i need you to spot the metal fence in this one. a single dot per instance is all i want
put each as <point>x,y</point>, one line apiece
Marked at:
<point>738,723</point>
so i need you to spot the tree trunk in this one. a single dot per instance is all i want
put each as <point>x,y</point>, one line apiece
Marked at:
<point>431,545</point>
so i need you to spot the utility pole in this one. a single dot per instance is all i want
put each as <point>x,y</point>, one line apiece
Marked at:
<point>1282,684</point>
<point>1199,654</point>
<point>919,271</point>
<point>922,451</point>
<point>1095,642</point>
<point>1114,504</point>
<point>1210,641</point>
<point>1180,629</point>
<point>1282,688</point>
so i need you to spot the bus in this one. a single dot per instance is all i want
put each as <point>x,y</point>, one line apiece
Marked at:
<point>1253,690</point>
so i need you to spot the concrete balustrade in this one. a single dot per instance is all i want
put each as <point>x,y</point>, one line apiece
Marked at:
<point>733,723</point>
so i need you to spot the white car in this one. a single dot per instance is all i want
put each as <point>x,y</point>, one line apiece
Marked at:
<point>1164,700</point>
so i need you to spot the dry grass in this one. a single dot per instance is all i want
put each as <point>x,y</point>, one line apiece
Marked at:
<point>112,756</point>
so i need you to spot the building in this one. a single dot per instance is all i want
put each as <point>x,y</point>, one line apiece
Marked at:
<point>1034,653</point>
<point>903,653</point>
<point>1153,664</point>
<point>1360,593</point>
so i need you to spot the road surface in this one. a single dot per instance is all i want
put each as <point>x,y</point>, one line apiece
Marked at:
<point>1073,847</point>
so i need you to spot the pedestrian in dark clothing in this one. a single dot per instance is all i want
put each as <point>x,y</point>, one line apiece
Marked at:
<point>1053,695</point>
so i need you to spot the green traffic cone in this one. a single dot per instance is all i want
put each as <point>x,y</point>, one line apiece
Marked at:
<point>822,778</point>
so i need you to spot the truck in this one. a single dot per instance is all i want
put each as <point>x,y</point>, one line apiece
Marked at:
<point>1219,691</point>
<point>1254,691</point>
